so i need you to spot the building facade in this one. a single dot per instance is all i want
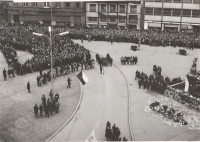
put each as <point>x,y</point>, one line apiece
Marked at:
<point>72,13</point>
<point>114,14</point>
<point>172,14</point>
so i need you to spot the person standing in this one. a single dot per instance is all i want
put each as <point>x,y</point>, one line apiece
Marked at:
<point>43,100</point>
<point>108,124</point>
<point>69,82</point>
<point>4,74</point>
<point>28,87</point>
<point>36,110</point>
<point>101,69</point>
<point>41,109</point>
<point>51,95</point>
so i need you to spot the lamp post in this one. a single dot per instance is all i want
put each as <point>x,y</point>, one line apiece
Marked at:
<point>50,38</point>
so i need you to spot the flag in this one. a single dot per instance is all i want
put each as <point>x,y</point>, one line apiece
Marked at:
<point>82,77</point>
<point>186,84</point>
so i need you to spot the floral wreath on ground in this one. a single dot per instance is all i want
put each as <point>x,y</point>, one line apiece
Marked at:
<point>172,113</point>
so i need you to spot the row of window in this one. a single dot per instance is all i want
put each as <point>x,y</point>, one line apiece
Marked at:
<point>172,1</point>
<point>132,19</point>
<point>47,4</point>
<point>172,12</point>
<point>113,8</point>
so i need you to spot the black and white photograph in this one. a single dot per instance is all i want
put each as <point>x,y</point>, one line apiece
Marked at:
<point>99,70</point>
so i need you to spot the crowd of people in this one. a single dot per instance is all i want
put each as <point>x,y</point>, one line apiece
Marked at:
<point>48,106</point>
<point>155,81</point>
<point>113,134</point>
<point>129,60</point>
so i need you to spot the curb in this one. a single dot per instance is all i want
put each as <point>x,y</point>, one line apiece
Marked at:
<point>77,107</point>
<point>129,103</point>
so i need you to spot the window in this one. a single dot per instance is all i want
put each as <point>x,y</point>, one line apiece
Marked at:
<point>67,4</point>
<point>77,5</point>
<point>186,13</point>
<point>93,7</point>
<point>35,4</point>
<point>133,9</point>
<point>121,20</point>
<point>122,8</point>
<point>157,0</point>
<point>149,11</point>
<point>176,12</point>
<point>93,19</point>
<point>177,1</point>
<point>133,18</point>
<point>25,4</point>
<point>157,11</point>
<point>46,4</point>
<point>196,1</point>
<point>195,13</point>
<point>112,8</point>
<point>187,1</point>
<point>15,4</point>
<point>112,19</point>
<point>167,12</point>
<point>57,4</point>
<point>169,1</point>
<point>103,19</point>
<point>103,7</point>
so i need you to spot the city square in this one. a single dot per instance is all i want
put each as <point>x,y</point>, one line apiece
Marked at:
<point>111,100</point>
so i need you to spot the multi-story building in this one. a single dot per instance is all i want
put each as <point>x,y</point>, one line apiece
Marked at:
<point>58,12</point>
<point>173,14</point>
<point>114,13</point>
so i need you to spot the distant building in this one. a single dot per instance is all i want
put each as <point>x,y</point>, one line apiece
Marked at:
<point>114,14</point>
<point>71,13</point>
<point>172,14</point>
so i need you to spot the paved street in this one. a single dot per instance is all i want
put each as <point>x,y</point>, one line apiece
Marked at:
<point>17,120</point>
<point>104,99</point>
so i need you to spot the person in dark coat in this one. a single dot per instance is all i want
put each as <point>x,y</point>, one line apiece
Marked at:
<point>41,109</point>
<point>4,74</point>
<point>46,110</point>
<point>38,79</point>
<point>139,83</point>
<point>69,82</point>
<point>108,124</point>
<point>43,100</point>
<point>101,69</point>
<point>28,87</point>
<point>36,110</point>
<point>51,95</point>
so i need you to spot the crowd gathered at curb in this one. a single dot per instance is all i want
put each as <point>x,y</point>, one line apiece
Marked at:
<point>155,81</point>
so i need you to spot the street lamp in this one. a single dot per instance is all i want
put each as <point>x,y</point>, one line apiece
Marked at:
<point>141,5</point>
<point>50,38</point>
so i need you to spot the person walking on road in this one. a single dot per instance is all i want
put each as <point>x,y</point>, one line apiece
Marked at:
<point>4,74</point>
<point>28,87</point>
<point>69,82</point>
